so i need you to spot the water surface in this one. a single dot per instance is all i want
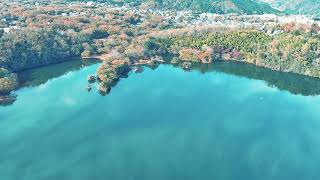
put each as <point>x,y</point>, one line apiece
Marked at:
<point>164,124</point>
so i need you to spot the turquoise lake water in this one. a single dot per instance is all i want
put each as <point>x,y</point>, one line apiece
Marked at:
<point>232,122</point>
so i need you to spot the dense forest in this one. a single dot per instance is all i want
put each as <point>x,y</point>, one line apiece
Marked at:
<point>27,48</point>
<point>295,50</point>
<point>33,47</point>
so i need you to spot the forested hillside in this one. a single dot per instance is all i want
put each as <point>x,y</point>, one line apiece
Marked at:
<point>216,6</point>
<point>309,7</point>
<point>213,6</point>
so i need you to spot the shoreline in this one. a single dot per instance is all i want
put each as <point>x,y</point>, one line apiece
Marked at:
<point>122,70</point>
<point>11,80</point>
<point>150,62</point>
<point>73,58</point>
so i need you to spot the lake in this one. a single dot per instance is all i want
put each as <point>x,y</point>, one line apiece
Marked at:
<point>223,121</point>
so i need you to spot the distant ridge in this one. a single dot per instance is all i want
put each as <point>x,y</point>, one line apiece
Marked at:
<point>212,6</point>
<point>307,7</point>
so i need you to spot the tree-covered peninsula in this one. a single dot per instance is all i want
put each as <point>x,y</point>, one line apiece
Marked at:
<point>126,37</point>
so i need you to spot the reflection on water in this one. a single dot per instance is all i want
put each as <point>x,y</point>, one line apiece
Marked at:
<point>160,124</point>
<point>294,83</point>
<point>37,76</point>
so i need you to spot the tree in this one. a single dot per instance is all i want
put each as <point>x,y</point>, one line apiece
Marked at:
<point>86,53</point>
<point>315,29</point>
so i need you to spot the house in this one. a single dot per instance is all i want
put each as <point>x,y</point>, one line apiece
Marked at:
<point>90,3</point>
<point>6,30</point>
